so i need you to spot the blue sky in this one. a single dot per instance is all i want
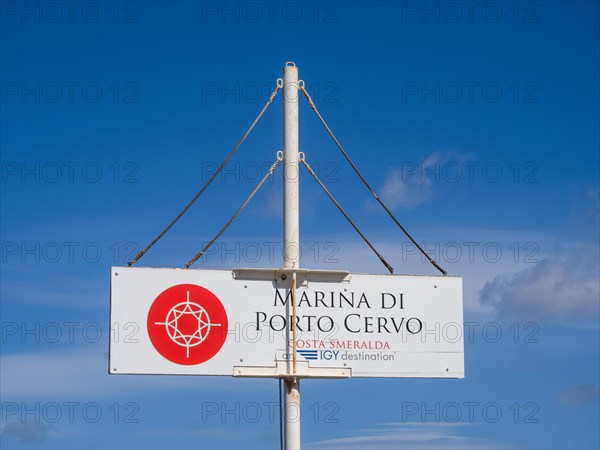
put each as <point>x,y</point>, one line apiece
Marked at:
<point>477,124</point>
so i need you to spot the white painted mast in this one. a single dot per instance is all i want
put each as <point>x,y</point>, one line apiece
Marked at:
<point>291,235</point>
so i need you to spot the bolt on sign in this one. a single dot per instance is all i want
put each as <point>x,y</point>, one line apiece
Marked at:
<point>240,323</point>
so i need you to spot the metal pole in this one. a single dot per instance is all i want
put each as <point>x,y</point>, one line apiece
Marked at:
<point>291,232</point>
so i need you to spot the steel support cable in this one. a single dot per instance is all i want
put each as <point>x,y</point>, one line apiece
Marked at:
<point>214,175</point>
<point>238,212</point>
<point>314,108</point>
<point>314,175</point>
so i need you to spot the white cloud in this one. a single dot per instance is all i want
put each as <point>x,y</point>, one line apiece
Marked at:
<point>579,394</point>
<point>409,435</point>
<point>404,193</point>
<point>413,183</point>
<point>565,287</point>
<point>27,432</point>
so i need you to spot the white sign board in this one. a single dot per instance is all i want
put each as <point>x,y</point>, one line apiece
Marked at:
<point>239,322</point>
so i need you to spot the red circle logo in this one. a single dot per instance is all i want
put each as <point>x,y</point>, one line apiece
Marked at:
<point>187,324</point>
